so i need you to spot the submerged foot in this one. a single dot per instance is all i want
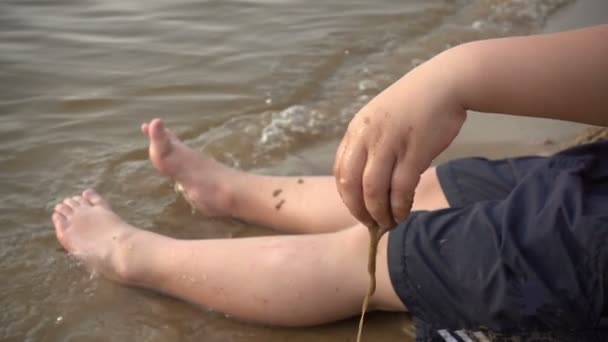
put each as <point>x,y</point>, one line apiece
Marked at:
<point>89,230</point>
<point>201,178</point>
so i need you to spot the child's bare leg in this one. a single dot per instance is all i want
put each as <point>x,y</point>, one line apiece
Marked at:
<point>285,280</point>
<point>292,204</point>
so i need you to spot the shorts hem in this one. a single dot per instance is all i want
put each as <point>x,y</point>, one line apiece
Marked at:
<point>399,275</point>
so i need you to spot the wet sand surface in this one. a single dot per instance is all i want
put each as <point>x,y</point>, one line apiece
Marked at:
<point>266,86</point>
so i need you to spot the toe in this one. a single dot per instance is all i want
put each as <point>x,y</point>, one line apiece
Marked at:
<point>81,201</point>
<point>71,203</point>
<point>63,210</point>
<point>145,129</point>
<point>94,198</point>
<point>60,222</point>
<point>157,129</point>
<point>160,141</point>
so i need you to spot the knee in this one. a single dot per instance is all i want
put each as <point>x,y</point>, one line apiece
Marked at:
<point>354,246</point>
<point>349,248</point>
<point>352,242</point>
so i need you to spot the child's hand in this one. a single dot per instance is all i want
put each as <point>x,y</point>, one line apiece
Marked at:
<point>392,140</point>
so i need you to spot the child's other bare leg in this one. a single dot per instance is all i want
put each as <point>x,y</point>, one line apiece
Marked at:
<point>285,280</point>
<point>291,204</point>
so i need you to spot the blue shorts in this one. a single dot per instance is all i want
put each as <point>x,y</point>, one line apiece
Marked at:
<point>522,250</point>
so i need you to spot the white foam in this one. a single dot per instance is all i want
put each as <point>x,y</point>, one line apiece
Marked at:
<point>294,119</point>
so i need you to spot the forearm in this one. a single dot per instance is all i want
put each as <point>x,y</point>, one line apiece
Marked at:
<point>561,76</point>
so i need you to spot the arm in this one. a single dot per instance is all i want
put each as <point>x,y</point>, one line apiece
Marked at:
<point>560,76</point>
<point>396,136</point>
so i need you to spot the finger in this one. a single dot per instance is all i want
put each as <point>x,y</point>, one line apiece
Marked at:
<point>383,231</point>
<point>349,182</point>
<point>403,186</point>
<point>376,187</point>
<point>339,152</point>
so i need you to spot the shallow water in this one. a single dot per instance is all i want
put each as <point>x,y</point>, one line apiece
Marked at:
<point>266,86</point>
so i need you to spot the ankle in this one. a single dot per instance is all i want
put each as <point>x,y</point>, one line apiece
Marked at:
<point>225,198</point>
<point>132,257</point>
<point>218,198</point>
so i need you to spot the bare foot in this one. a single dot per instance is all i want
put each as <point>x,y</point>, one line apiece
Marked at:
<point>202,179</point>
<point>88,229</point>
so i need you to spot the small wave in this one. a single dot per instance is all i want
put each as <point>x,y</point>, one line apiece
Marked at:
<point>294,119</point>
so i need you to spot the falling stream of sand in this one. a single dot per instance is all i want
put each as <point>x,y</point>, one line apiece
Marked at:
<point>374,237</point>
